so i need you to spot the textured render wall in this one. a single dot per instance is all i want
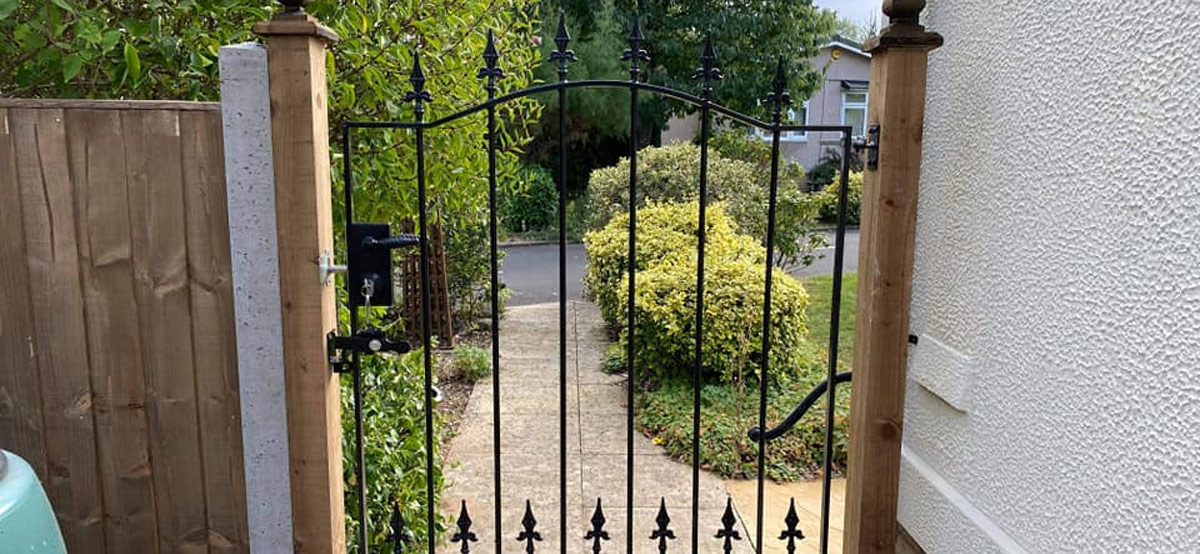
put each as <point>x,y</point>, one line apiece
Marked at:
<point>1054,397</point>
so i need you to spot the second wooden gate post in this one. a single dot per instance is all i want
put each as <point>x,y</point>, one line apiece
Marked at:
<point>296,48</point>
<point>900,56</point>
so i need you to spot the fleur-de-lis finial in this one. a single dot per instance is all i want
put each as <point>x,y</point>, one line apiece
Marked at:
<point>528,535</point>
<point>490,70</point>
<point>727,530</point>
<point>708,71</point>
<point>779,96</point>
<point>399,534</point>
<point>793,532</point>
<point>597,532</point>
<point>561,39</point>
<point>663,533</point>
<point>418,95</point>
<point>635,54</point>
<point>464,533</point>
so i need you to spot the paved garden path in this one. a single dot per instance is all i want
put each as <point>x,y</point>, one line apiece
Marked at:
<point>596,447</point>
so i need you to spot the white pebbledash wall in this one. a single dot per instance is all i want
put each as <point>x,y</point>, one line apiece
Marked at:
<point>1053,401</point>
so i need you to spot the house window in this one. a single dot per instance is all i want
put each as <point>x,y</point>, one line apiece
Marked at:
<point>793,116</point>
<point>854,112</point>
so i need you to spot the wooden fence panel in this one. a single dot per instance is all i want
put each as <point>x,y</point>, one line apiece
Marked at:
<point>164,307</point>
<point>20,395</point>
<point>60,339</point>
<point>212,306</point>
<point>98,168</point>
<point>119,379</point>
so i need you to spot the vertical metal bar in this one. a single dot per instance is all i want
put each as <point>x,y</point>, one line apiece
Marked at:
<point>562,311</point>
<point>631,264</point>
<point>360,460</point>
<point>635,55</point>
<point>493,227</point>
<point>419,96</point>
<point>835,314</point>
<point>697,371</point>
<point>779,98</point>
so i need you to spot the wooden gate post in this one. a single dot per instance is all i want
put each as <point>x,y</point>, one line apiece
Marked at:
<point>296,48</point>
<point>899,58</point>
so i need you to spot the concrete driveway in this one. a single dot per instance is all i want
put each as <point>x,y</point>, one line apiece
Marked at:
<point>531,272</point>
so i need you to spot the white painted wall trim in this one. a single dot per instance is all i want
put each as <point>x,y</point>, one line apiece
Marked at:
<point>250,191</point>
<point>940,518</point>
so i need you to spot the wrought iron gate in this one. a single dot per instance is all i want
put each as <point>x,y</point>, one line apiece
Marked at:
<point>369,246</point>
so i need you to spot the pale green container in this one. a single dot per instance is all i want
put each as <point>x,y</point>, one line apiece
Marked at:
<point>27,524</point>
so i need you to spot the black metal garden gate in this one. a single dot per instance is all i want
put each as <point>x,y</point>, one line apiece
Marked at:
<point>369,246</point>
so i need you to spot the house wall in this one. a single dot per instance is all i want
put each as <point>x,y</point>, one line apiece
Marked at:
<point>1054,395</point>
<point>825,108</point>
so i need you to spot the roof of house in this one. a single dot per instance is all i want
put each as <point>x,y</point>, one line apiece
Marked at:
<point>844,43</point>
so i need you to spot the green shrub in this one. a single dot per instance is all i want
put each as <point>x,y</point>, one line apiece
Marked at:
<point>828,168</point>
<point>827,199</point>
<point>530,202</point>
<point>665,300</point>
<point>672,174</point>
<point>729,411</point>
<point>394,446</point>
<point>663,231</point>
<point>472,363</point>
<point>739,144</point>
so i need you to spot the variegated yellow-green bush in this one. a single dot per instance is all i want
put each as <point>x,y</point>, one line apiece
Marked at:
<point>665,299</point>
<point>827,199</point>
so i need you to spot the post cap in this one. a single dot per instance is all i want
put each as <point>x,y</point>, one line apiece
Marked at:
<point>904,29</point>
<point>294,5</point>
<point>293,20</point>
<point>903,11</point>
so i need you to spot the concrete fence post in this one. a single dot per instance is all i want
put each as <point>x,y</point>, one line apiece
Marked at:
<point>899,59</point>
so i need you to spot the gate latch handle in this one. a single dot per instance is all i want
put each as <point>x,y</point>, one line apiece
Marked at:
<point>870,143</point>
<point>366,341</point>
<point>402,240</point>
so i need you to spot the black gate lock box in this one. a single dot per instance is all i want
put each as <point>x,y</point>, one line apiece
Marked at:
<point>369,258</point>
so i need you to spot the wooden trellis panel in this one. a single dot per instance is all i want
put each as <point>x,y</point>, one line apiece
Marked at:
<point>409,278</point>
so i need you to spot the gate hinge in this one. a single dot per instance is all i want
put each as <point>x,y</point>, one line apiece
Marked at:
<point>870,143</point>
<point>366,341</point>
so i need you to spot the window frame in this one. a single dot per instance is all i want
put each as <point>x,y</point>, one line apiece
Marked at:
<point>789,136</point>
<point>847,105</point>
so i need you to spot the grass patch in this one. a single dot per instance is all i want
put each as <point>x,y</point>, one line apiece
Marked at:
<point>820,298</point>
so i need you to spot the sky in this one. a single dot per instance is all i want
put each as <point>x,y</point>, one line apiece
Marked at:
<point>858,11</point>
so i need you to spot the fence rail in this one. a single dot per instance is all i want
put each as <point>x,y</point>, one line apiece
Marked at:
<point>118,377</point>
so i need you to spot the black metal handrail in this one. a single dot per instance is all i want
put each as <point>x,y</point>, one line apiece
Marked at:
<point>799,411</point>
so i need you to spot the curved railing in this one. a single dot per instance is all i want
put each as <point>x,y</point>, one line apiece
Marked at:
<point>799,411</point>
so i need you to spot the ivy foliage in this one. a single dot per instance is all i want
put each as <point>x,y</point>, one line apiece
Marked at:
<point>168,49</point>
<point>394,448</point>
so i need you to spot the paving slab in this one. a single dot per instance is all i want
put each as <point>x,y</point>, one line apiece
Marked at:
<point>597,439</point>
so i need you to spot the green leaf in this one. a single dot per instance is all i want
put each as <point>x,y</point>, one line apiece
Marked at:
<point>7,7</point>
<point>64,5</point>
<point>71,66</point>
<point>133,64</point>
